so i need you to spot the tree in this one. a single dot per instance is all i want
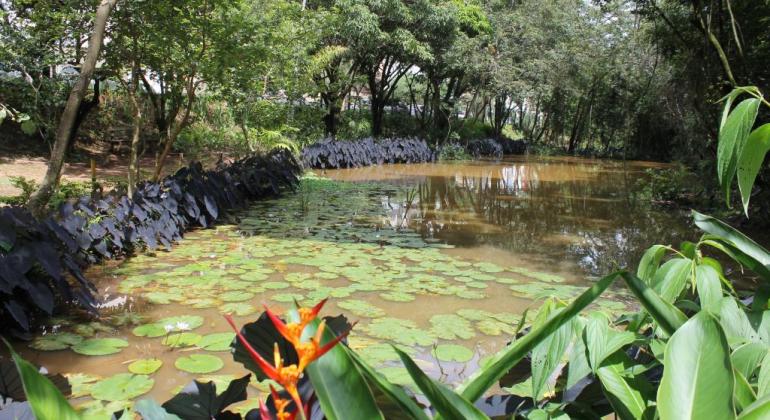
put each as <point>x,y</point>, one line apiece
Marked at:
<point>64,132</point>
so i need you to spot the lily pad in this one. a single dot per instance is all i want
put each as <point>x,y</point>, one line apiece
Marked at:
<point>450,327</point>
<point>361,308</point>
<point>185,339</point>
<point>397,296</point>
<point>199,363</point>
<point>400,331</point>
<point>236,296</point>
<point>452,353</point>
<point>100,346</point>
<point>122,387</point>
<point>237,308</point>
<point>217,341</point>
<point>56,341</point>
<point>81,384</point>
<point>145,366</point>
<point>149,330</point>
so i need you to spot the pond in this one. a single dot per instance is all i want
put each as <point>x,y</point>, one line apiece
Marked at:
<point>440,259</point>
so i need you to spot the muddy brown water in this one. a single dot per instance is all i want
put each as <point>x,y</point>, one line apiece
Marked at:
<point>503,235</point>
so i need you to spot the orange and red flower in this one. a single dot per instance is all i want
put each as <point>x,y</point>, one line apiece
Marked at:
<point>308,351</point>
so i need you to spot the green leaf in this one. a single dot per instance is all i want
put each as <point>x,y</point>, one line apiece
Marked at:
<point>339,385</point>
<point>672,277</point>
<point>145,366</point>
<point>28,127</point>
<point>46,400</point>
<point>504,360</point>
<point>199,363</point>
<point>709,288</point>
<point>100,346</point>
<point>547,355</point>
<point>602,341</point>
<point>630,395</point>
<point>394,392</point>
<point>744,394</point>
<point>747,358</point>
<point>650,262</point>
<point>216,341</point>
<point>732,138</point>
<point>763,378</point>
<point>735,323</point>
<point>446,403</point>
<point>149,409</point>
<point>121,387</point>
<point>668,317</point>
<point>698,378</point>
<point>749,162</point>
<point>758,410</point>
<point>754,256</point>
<point>452,353</point>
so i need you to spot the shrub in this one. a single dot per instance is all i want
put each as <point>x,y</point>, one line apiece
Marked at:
<point>485,148</point>
<point>453,151</point>
<point>349,154</point>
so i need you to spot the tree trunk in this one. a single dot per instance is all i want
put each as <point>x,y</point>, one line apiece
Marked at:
<point>133,156</point>
<point>39,200</point>
<point>173,130</point>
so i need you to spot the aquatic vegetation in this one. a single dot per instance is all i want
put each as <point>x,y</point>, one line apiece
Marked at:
<point>122,387</point>
<point>144,366</point>
<point>401,331</point>
<point>216,341</point>
<point>452,353</point>
<point>56,341</point>
<point>100,346</point>
<point>199,363</point>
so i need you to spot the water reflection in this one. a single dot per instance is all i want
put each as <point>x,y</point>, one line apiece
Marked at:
<point>586,211</point>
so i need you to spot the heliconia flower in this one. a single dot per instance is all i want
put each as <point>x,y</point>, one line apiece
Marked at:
<point>286,376</point>
<point>293,330</point>
<point>281,405</point>
<point>311,350</point>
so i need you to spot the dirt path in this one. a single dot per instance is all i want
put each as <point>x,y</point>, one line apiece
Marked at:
<point>34,168</point>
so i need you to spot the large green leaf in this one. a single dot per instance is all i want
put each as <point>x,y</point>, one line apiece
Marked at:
<point>732,138</point>
<point>46,400</point>
<point>394,392</point>
<point>709,287</point>
<point>650,262</point>
<point>750,161</point>
<point>698,378</point>
<point>504,360</point>
<point>602,341</point>
<point>339,385</point>
<point>672,277</point>
<point>630,396</point>
<point>668,317</point>
<point>736,323</point>
<point>758,258</point>
<point>547,355</point>
<point>446,403</point>
<point>747,358</point>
